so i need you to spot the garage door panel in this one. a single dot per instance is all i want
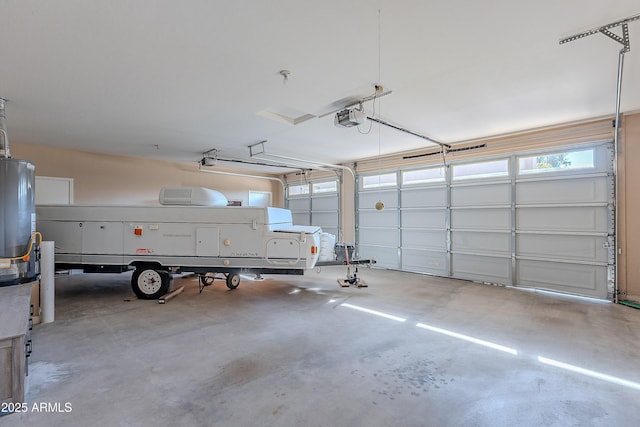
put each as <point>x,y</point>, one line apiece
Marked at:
<point>324,219</point>
<point>573,219</point>
<point>369,199</point>
<point>299,204</point>
<point>321,209</point>
<point>481,195</point>
<point>379,236</point>
<point>331,230</point>
<point>481,219</point>
<point>578,279</point>
<point>568,247</point>
<point>424,239</point>
<point>385,257</point>
<point>424,218</point>
<point>424,197</point>
<point>582,190</point>
<point>300,218</point>
<point>418,261</point>
<point>385,218</point>
<point>482,268</point>
<point>325,203</point>
<point>463,229</point>
<point>492,243</point>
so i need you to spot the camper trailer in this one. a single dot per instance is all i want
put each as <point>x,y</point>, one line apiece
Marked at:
<point>157,241</point>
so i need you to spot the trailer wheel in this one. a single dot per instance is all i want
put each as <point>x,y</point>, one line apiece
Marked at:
<point>148,283</point>
<point>233,280</point>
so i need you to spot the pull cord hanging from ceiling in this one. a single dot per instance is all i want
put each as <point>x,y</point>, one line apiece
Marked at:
<point>379,204</point>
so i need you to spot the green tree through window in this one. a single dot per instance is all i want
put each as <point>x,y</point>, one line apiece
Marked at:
<point>553,161</point>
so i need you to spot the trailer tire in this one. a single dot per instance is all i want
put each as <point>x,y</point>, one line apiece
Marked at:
<point>148,283</point>
<point>233,280</point>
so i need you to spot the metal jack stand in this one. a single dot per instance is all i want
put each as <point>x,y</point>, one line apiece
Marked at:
<point>353,279</point>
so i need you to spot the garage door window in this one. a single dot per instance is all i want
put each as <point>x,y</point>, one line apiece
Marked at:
<point>316,203</point>
<point>492,169</point>
<point>557,162</point>
<point>324,187</point>
<point>377,181</point>
<point>298,190</point>
<point>423,176</point>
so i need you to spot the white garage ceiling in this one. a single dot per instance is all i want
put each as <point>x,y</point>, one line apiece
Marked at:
<point>125,77</point>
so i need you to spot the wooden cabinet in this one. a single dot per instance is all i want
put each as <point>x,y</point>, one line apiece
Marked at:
<point>15,309</point>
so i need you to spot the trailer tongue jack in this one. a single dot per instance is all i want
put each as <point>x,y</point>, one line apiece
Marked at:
<point>352,279</point>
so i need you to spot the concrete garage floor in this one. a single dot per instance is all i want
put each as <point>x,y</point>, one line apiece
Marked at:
<point>287,351</point>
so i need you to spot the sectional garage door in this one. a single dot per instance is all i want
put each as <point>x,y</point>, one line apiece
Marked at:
<point>316,203</point>
<point>565,228</point>
<point>542,220</point>
<point>481,221</point>
<point>425,219</point>
<point>379,230</point>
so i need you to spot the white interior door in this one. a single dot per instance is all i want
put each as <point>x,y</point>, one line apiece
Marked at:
<point>54,191</point>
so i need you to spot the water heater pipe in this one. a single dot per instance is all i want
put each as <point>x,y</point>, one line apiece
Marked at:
<point>4,137</point>
<point>47,281</point>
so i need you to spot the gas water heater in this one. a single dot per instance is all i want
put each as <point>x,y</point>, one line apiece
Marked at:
<point>19,249</point>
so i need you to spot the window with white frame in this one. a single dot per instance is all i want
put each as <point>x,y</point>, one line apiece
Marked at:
<point>298,189</point>
<point>315,203</point>
<point>490,169</point>
<point>324,187</point>
<point>557,162</point>
<point>422,176</point>
<point>378,181</point>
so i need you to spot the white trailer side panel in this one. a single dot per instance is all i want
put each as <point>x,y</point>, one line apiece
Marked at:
<point>179,236</point>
